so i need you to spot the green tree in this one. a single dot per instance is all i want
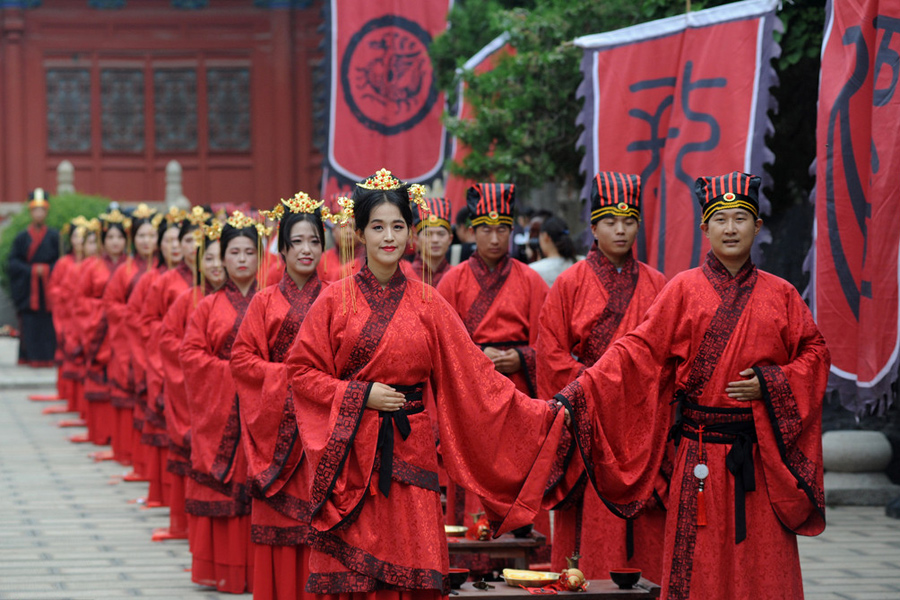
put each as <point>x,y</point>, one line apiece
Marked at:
<point>526,107</point>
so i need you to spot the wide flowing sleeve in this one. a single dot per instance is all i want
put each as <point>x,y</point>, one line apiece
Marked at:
<point>331,414</point>
<point>268,423</point>
<point>19,271</point>
<point>212,400</point>
<point>171,334</point>
<point>495,441</point>
<point>94,311</point>
<point>789,423</point>
<point>621,405</point>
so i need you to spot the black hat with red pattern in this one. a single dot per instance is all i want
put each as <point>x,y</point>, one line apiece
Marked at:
<point>723,192</point>
<point>615,195</point>
<point>438,214</point>
<point>491,203</point>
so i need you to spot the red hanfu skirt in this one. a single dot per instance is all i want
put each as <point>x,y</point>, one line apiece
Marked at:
<point>222,557</point>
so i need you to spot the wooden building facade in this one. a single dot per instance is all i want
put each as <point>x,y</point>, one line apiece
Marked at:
<point>121,87</point>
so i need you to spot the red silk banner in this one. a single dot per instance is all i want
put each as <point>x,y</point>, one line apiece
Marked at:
<point>384,107</point>
<point>483,61</point>
<point>857,196</point>
<point>675,99</point>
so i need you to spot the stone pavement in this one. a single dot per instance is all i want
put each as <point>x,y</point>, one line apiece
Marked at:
<point>68,531</point>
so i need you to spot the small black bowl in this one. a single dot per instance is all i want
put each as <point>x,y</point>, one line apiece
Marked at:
<point>522,532</point>
<point>625,578</point>
<point>458,577</point>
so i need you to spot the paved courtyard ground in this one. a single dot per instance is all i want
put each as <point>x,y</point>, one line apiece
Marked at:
<point>69,531</point>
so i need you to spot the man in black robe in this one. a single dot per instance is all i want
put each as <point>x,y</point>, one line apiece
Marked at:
<point>34,252</point>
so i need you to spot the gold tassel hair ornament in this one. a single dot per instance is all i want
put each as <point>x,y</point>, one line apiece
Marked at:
<point>348,251</point>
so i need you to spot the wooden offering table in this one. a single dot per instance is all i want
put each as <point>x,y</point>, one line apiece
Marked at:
<point>599,589</point>
<point>505,546</point>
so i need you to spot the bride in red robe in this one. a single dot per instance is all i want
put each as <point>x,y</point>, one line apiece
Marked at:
<point>220,505</point>
<point>211,276</point>
<point>162,295</point>
<point>65,272</point>
<point>98,271</point>
<point>277,478</point>
<point>170,251</point>
<point>366,350</point>
<point>120,370</point>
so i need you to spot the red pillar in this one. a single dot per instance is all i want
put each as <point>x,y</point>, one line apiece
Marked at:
<point>12,28</point>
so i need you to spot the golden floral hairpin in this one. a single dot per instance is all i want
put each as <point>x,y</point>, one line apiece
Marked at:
<point>240,221</point>
<point>143,212</point>
<point>383,180</point>
<point>276,214</point>
<point>175,215</point>
<point>343,216</point>
<point>262,230</point>
<point>115,216</point>
<point>157,220</point>
<point>301,203</point>
<point>198,215</point>
<point>211,232</point>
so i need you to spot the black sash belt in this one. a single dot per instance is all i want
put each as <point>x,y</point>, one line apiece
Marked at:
<point>413,406</point>
<point>502,344</point>
<point>741,435</point>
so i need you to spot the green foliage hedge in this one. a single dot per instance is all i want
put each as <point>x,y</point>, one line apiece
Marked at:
<point>63,209</point>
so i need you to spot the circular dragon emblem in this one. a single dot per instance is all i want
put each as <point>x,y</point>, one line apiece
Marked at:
<point>386,75</point>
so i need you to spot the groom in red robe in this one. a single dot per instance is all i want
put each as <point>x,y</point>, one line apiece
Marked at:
<point>592,304</point>
<point>737,351</point>
<point>499,300</point>
<point>33,254</point>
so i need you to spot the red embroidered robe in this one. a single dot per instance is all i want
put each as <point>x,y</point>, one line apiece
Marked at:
<point>269,434</point>
<point>115,297</point>
<point>69,329</point>
<point>177,415</point>
<point>374,493</point>
<point>97,273</point>
<point>160,297</point>
<point>218,461</point>
<point>136,340</point>
<point>61,310</point>
<point>703,329</point>
<point>591,305</point>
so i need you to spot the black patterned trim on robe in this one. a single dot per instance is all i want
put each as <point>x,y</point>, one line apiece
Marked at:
<point>228,443</point>
<point>787,427</point>
<point>97,338</point>
<point>685,531</point>
<point>735,292</point>
<point>336,451</point>
<point>270,535</point>
<point>620,288</point>
<point>564,454</point>
<point>179,467</point>
<point>231,436</point>
<point>383,304</point>
<point>285,443</point>
<point>159,440</point>
<point>490,282</point>
<point>222,508</point>
<point>290,506</point>
<point>237,492</point>
<point>406,473</point>
<point>366,573</point>
<point>156,418</point>
<point>299,302</point>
